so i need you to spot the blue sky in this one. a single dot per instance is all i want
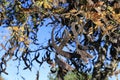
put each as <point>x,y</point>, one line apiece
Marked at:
<point>28,75</point>
<point>43,36</point>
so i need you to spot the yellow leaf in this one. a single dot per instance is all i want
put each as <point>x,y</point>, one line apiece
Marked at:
<point>116,17</point>
<point>50,1</point>
<point>110,8</point>
<point>98,23</point>
<point>27,42</point>
<point>39,3</point>
<point>21,39</point>
<point>46,5</point>
<point>49,6</point>
<point>67,16</point>
<point>58,10</point>
<point>110,27</point>
<point>21,49</point>
<point>80,21</point>
<point>73,11</point>
<point>22,28</point>
<point>91,30</point>
<point>15,28</point>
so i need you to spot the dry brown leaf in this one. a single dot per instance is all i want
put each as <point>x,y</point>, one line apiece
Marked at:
<point>1,78</point>
<point>2,46</point>
<point>64,64</point>
<point>13,49</point>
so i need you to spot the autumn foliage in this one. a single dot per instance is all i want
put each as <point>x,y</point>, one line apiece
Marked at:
<point>84,32</point>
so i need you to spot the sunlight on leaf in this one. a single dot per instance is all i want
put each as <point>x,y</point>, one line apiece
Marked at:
<point>73,11</point>
<point>20,39</point>
<point>116,17</point>
<point>91,30</point>
<point>15,28</point>
<point>22,28</point>
<point>98,23</point>
<point>47,5</point>
<point>21,49</point>
<point>50,1</point>
<point>39,3</point>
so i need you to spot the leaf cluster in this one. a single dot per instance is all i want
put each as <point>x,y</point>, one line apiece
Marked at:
<point>84,32</point>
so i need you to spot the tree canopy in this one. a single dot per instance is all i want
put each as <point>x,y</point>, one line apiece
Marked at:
<point>85,35</point>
